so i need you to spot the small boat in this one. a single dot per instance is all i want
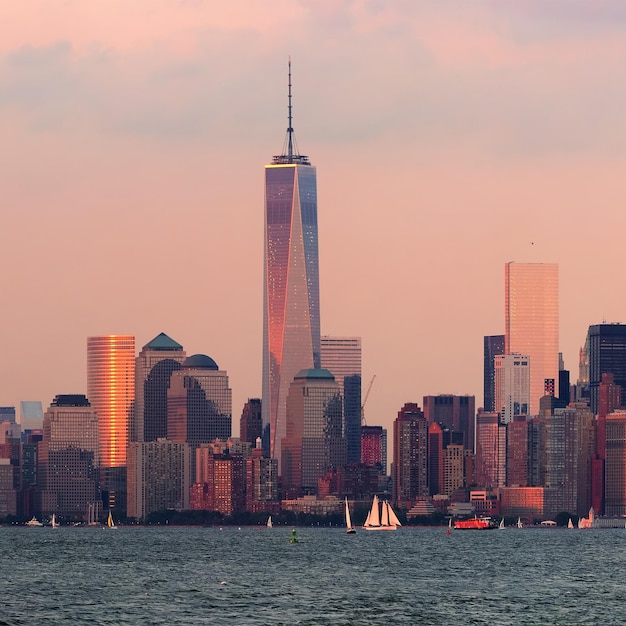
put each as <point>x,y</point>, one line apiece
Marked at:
<point>53,521</point>
<point>475,523</point>
<point>519,523</point>
<point>34,522</point>
<point>449,531</point>
<point>570,524</point>
<point>350,529</point>
<point>269,522</point>
<point>383,518</point>
<point>110,522</point>
<point>501,526</point>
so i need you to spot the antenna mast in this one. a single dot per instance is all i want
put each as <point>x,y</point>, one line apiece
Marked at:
<point>290,128</point>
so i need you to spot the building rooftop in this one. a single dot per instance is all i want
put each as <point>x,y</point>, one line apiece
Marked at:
<point>199,362</point>
<point>163,342</point>
<point>319,374</point>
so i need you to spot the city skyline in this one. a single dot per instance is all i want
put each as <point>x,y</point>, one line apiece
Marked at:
<point>493,133</point>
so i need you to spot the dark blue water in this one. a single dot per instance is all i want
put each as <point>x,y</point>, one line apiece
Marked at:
<point>251,576</point>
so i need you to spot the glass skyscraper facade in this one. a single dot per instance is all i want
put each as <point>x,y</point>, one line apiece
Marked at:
<point>291,311</point>
<point>532,321</point>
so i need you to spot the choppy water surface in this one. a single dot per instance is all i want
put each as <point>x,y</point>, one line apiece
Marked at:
<point>255,576</point>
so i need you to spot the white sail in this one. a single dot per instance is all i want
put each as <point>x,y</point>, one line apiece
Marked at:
<point>53,521</point>
<point>349,527</point>
<point>570,524</point>
<point>519,522</point>
<point>393,518</point>
<point>385,516</point>
<point>374,516</point>
<point>269,522</point>
<point>501,527</point>
<point>110,522</point>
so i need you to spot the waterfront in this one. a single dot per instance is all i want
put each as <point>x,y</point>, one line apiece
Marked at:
<point>139,575</point>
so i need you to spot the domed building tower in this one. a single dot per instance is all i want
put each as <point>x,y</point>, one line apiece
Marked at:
<point>199,402</point>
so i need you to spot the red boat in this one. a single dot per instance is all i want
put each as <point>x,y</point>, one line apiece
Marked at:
<point>475,523</point>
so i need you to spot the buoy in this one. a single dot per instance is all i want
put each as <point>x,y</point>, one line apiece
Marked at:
<point>293,538</point>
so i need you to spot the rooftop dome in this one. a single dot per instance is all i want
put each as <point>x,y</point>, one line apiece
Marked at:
<point>200,362</point>
<point>319,374</point>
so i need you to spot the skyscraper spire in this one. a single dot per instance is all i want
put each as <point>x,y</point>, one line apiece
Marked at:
<point>290,148</point>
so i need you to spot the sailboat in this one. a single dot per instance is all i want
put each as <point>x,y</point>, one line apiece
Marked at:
<point>33,522</point>
<point>110,522</point>
<point>501,526</point>
<point>570,524</point>
<point>53,521</point>
<point>381,519</point>
<point>269,522</point>
<point>350,529</point>
<point>519,522</point>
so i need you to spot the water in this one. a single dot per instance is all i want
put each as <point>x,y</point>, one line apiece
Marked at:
<point>255,576</point>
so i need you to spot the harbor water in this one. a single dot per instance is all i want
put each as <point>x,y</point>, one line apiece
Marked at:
<point>250,576</point>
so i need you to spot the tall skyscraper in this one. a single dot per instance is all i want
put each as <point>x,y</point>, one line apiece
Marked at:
<point>153,370</point>
<point>532,321</point>
<point>607,355</point>
<point>341,356</point>
<point>251,423</point>
<point>111,391</point>
<point>512,386</point>
<point>314,443</point>
<point>615,468</point>
<point>494,345</point>
<point>67,476</point>
<point>199,402</point>
<point>291,308</point>
<point>410,456</point>
<point>457,413</point>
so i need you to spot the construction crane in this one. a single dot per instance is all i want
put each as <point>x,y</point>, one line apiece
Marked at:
<point>367,394</point>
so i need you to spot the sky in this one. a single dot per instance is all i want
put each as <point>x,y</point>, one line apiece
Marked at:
<point>449,138</point>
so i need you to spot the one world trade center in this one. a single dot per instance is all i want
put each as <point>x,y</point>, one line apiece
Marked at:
<point>291,311</point>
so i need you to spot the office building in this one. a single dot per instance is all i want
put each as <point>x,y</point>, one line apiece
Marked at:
<point>111,392</point>
<point>261,482</point>
<point>66,476</point>
<point>374,447</point>
<point>493,345</point>
<point>490,464</point>
<point>199,402</point>
<point>456,413</point>
<point>314,443</point>
<point>512,386</point>
<point>410,456</point>
<point>154,366</point>
<point>607,355</point>
<point>251,423</point>
<point>291,311</point>
<point>615,467</point>
<point>31,415</point>
<point>159,477</point>
<point>532,321</point>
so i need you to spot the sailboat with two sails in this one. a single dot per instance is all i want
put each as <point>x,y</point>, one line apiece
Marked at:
<point>381,517</point>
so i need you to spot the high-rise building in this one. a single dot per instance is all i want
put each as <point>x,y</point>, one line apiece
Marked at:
<point>66,475</point>
<point>493,345</point>
<point>341,356</point>
<point>457,413</point>
<point>532,321</point>
<point>31,414</point>
<point>517,452</point>
<point>291,311</point>
<point>159,477</point>
<point>199,402</point>
<point>251,423</point>
<point>314,443</point>
<point>607,355</point>
<point>153,370</point>
<point>615,468</point>
<point>261,481</point>
<point>490,468</point>
<point>512,386</point>
<point>374,447</point>
<point>220,481</point>
<point>111,391</point>
<point>410,456</point>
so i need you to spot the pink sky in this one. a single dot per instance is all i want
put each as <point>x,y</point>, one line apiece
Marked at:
<point>447,137</point>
